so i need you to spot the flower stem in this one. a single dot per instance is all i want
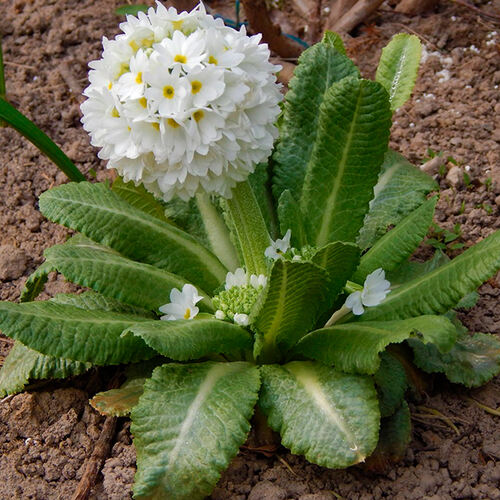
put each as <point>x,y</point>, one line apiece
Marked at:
<point>337,315</point>
<point>217,232</point>
<point>250,227</point>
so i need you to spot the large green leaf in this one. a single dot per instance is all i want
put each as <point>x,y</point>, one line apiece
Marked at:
<point>183,339</point>
<point>107,272</point>
<point>473,360</point>
<point>410,270</point>
<point>36,282</point>
<point>188,425</point>
<point>355,347</point>
<point>24,364</point>
<point>329,417</point>
<point>391,382</point>
<point>103,216</point>
<point>400,189</point>
<point>289,305</point>
<point>441,289</point>
<point>71,332</point>
<point>290,217</point>
<point>353,131</point>
<point>398,67</point>
<point>334,40</point>
<point>139,198</point>
<point>319,67</point>
<point>339,260</point>
<point>397,244</point>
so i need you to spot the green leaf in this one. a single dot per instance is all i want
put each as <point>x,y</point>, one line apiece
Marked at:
<point>139,198</point>
<point>391,382</point>
<point>36,282</point>
<point>399,243</point>
<point>332,39</point>
<point>71,332</point>
<point>104,217</point>
<point>42,142</point>
<point>394,438</point>
<point>398,67</point>
<point>329,417</point>
<point>410,270</point>
<point>287,308</point>
<point>339,260</point>
<point>355,347</point>
<point>319,67</point>
<point>290,217</point>
<point>400,189</point>
<point>188,425</point>
<point>119,402</point>
<point>473,360</point>
<point>133,10</point>
<point>97,267</point>
<point>440,290</point>
<point>93,301</point>
<point>353,131</point>
<point>24,364</point>
<point>183,340</point>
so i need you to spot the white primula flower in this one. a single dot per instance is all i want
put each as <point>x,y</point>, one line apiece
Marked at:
<point>258,281</point>
<point>240,278</point>
<point>375,290</point>
<point>279,247</point>
<point>193,103</point>
<point>220,314</point>
<point>241,319</point>
<point>182,305</point>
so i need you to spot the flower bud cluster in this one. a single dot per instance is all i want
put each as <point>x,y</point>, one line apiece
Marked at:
<point>182,103</point>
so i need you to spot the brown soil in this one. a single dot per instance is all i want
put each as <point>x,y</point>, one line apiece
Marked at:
<point>46,435</point>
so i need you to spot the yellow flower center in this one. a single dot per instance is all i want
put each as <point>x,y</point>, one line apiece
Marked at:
<point>195,86</point>
<point>138,78</point>
<point>198,115</point>
<point>187,314</point>
<point>180,59</point>
<point>173,123</point>
<point>156,126</point>
<point>212,60</point>
<point>114,113</point>
<point>133,44</point>
<point>143,102</point>
<point>110,85</point>
<point>124,68</point>
<point>168,91</point>
<point>177,25</point>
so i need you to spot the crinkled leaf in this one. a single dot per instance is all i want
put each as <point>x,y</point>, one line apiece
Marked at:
<point>183,339</point>
<point>400,189</point>
<point>261,187</point>
<point>398,67</point>
<point>353,131</point>
<point>329,417</point>
<point>290,217</point>
<point>473,360</point>
<point>441,289</point>
<point>339,260</point>
<point>36,282</point>
<point>399,243</point>
<point>355,347</point>
<point>103,216</point>
<point>139,198</point>
<point>71,332</point>
<point>332,39</point>
<point>289,305</point>
<point>391,382</point>
<point>410,270</point>
<point>107,272</point>
<point>23,364</point>
<point>119,402</point>
<point>319,67</point>
<point>188,425</point>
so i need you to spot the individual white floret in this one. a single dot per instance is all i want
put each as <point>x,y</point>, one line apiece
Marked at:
<point>375,290</point>
<point>182,305</point>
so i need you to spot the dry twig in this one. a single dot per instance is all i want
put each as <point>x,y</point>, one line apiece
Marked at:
<point>355,15</point>
<point>260,22</point>
<point>413,7</point>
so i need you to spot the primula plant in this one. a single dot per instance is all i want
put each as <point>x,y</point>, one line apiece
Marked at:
<point>228,276</point>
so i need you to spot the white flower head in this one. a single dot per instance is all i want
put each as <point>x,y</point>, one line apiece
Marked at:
<point>197,103</point>
<point>182,305</point>
<point>375,290</point>
<point>240,278</point>
<point>241,319</point>
<point>279,247</point>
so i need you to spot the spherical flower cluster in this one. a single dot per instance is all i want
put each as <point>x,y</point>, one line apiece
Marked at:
<point>182,103</point>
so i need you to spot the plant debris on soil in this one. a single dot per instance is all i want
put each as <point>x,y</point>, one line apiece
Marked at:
<point>48,432</point>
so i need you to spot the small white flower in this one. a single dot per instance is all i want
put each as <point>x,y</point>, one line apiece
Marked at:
<point>220,314</point>
<point>279,247</point>
<point>238,278</point>
<point>182,305</point>
<point>375,289</point>
<point>258,281</point>
<point>241,319</point>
